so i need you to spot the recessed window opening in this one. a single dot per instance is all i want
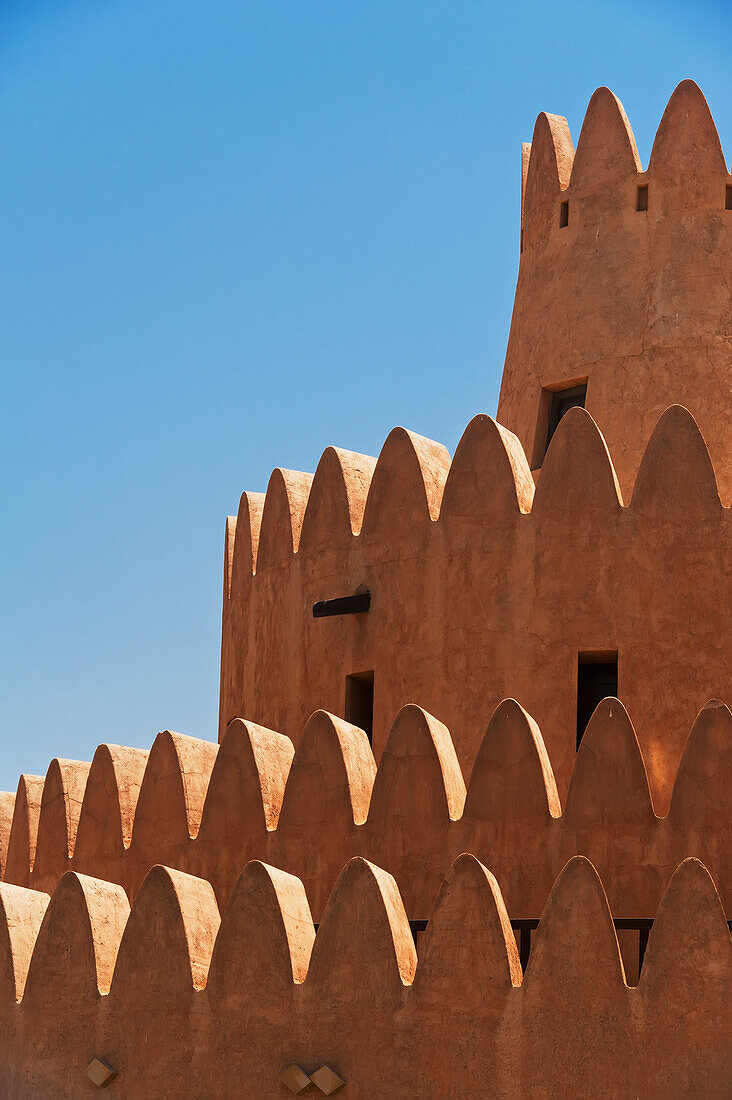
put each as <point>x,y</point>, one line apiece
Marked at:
<point>360,701</point>
<point>597,677</point>
<point>642,197</point>
<point>728,197</point>
<point>564,214</point>
<point>561,402</point>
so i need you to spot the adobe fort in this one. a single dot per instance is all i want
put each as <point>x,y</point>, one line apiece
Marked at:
<point>466,830</point>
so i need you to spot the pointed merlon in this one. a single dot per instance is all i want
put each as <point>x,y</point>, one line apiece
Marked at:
<point>7,805</point>
<point>282,517</point>
<point>63,795</point>
<point>335,507</point>
<point>246,542</point>
<point>108,810</point>
<point>575,953</point>
<point>264,943</point>
<point>687,158</point>
<point>76,949</point>
<point>407,485</point>
<point>173,789</point>
<point>229,543</point>
<point>676,478</point>
<point>525,155</point>
<point>332,776</point>
<point>166,948</point>
<point>688,962</point>
<point>468,957</point>
<point>609,782</point>
<point>606,150</point>
<point>489,479</point>
<point>577,477</point>
<point>24,830</point>
<point>550,167</point>
<point>248,779</point>
<point>512,777</point>
<point>21,914</point>
<point>419,777</point>
<point>364,950</point>
<point>702,793</point>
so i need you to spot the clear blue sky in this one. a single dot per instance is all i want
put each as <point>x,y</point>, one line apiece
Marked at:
<point>231,234</point>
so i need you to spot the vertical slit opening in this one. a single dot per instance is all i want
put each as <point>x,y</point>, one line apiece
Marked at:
<point>564,214</point>
<point>728,197</point>
<point>597,678</point>
<point>642,197</point>
<point>359,709</point>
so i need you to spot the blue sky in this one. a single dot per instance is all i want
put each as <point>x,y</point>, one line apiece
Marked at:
<point>231,234</point>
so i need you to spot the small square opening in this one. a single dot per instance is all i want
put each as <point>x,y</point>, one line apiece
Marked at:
<point>728,197</point>
<point>359,710</point>
<point>642,197</point>
<point>597,678</point>
<point>564,214</point>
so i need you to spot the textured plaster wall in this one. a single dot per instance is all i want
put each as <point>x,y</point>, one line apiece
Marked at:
<point>181,1001</point>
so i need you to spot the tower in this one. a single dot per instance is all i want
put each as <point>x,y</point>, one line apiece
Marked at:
<point>624,282</point>
<point>466,829</point>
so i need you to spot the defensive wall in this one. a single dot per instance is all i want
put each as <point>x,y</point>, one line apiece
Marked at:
<point>484,588</point>
<point>188,1002</point>
<point>302,897</point>
<point>208,810</point>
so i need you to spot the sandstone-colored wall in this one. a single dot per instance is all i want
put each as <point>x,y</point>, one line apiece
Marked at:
<point>636,303</point>
<point>208,810</point>
<point>482,589</point>
<point>181,1001</point>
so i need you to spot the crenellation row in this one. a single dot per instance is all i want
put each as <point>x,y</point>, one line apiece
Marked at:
<point>687,168</point>
<point>208,809</point>
<point>483,585</point>
<point>255,989</point>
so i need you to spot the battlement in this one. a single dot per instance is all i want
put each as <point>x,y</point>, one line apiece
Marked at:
<point>268,945</point>
<point>172,995</point>
<point>209,810</point>
<point>483,587</point>
<point>624,280</point>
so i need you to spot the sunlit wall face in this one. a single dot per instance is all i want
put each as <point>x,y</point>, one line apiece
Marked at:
<point>232,234</point>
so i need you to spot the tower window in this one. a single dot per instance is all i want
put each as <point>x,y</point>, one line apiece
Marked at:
<point>360,701</point>
<point>728,197</point>
<point>561,402</point>
<point>642,197</point>
<point>597,677</point>
<point>564,214</point>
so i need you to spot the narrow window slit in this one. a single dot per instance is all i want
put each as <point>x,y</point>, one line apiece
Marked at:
<point>597,678</point>
<point>642,198</point>
<point>728,197</point>
<point>564,214</point>
<point>360,701</point>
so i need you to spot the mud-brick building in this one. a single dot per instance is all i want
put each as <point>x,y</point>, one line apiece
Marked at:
<point>466,830</point>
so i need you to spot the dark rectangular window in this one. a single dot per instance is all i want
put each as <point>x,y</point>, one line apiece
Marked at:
<point>728,197</point>
<point>642,198</point>
<point>564,214</point>
<point>597,677</point>
<point>561,402</point>
<point>360,701</point>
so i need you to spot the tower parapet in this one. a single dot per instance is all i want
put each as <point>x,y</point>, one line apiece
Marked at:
<point>624,281</point>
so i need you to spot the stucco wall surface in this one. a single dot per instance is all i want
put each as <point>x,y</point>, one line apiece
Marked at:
<point>208,810</point>
<point>637,303</point>
<point>181,1001</point>
<point>483,588</point>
